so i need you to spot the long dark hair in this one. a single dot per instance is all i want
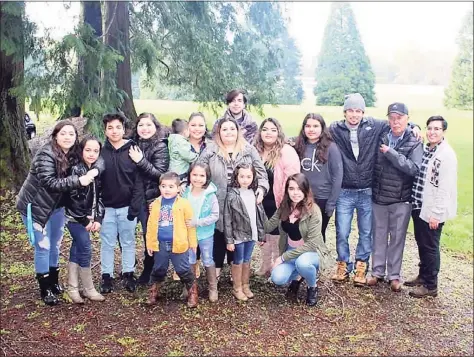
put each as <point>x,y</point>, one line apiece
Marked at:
<point>63,160</point>
<point>85,139</point>
<point>305,206</point>
<point>160,130</point>
<point>324,140</point>
<point>275,153</point>
<point>193,115</point>
<point>206,169</point>
<point>235,182</point>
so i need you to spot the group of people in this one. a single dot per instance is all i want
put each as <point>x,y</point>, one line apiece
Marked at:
<point>203,196</point>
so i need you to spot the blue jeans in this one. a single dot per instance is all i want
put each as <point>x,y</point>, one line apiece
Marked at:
<point>206,246</point>
<point>306,265</point>
<point>361,201</point>
<point>115,222</point>
<point>48,241</point>
<point>180,262</point>
<point>243,252</point>
<point>81,251</point>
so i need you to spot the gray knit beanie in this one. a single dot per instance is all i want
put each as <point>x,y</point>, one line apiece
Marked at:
<point>354,101</point>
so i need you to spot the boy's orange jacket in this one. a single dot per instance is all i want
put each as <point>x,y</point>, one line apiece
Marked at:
<point>183,237</point>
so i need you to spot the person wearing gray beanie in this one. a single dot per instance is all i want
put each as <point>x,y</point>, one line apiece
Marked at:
<point>354,101</point>
<point>358,138</point>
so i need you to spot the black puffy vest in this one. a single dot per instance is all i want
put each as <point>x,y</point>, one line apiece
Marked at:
<point>389,184</point>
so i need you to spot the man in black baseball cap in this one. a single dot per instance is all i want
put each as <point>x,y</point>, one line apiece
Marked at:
<point>398,108</point>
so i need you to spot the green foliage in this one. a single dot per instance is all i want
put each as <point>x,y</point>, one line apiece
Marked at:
<point>54,82</point>
<point>459,94</point>
<point>343,66</point>
<point>200,50</point>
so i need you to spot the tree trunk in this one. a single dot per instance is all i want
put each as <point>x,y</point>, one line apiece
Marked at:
<point>91,14</point>
<point>117,36</point>
<point>14,155</point>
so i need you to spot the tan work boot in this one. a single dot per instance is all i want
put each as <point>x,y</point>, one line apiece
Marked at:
<point>89,289</point>
<point>341,274</point>
<point>246,280</point>
<point>73,283</point>
<point>212,283</point>
<point>360,273</point>
<point>154,293</point>
<point>237,282</point>
<point>193,295</point>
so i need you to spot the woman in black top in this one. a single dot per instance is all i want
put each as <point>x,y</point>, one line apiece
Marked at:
<point>152,159</point>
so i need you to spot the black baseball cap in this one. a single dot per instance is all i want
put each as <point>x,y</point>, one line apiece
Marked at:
<point>398,108</point>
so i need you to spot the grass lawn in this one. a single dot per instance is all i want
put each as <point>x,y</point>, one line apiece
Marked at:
<point>457,234</point>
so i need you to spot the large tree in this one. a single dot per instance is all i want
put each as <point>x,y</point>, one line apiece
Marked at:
<point>343,66</point>
<point>14,158</point>
<point>117,36</point>
<point>459,94</point>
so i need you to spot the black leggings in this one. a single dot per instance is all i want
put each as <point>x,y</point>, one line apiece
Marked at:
<point>324,224</point>
<point>220,250</point>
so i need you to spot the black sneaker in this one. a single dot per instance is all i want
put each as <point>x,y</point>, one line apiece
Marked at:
<point>129,282</point>
<point>106,285</point>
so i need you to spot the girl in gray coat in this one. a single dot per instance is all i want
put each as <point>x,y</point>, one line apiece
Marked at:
<point>228,150</point>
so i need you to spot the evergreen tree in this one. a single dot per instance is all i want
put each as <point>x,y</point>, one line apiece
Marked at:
<point>14,157</point>
<point>343,66</point>
<point>459,93</point>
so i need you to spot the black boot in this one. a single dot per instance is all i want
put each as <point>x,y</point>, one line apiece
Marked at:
<point>45,288</point>
<point>129,281</point>
<point>56,288</point>
<point>106,285</point>
<point>292,292</point>
<point>312,296</point>
<point>144,277</point>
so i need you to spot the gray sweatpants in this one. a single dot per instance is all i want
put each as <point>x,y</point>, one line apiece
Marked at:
<point>389,219</point>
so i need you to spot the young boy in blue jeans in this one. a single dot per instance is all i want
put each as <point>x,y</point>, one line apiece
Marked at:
<point>168,238</point>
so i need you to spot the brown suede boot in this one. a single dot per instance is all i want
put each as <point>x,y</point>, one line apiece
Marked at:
<point>193,295</point>
<point>154,293</point>
<point>360,273</point>
<point>212,282</point>
<point>246,280</point>
<point>237,282</point>
<point>341,274</point>
<point>89,289</point>
<point>73,283</point>
<point>266,254</point>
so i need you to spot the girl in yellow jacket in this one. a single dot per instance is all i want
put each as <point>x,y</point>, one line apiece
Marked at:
<point>168,238</point>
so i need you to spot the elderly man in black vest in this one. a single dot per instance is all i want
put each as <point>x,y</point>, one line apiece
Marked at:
<point>396,166</point>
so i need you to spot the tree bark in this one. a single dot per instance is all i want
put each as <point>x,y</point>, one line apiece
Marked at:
<point>14,155</point>
<point>117,36</point>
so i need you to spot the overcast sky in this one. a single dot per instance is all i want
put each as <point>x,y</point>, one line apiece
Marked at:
<point>384,26</point>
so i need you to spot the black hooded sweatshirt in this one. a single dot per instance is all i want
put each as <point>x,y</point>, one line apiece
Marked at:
<point>122,184</point>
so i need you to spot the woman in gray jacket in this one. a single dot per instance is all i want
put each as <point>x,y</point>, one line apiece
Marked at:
<point>228,150</point>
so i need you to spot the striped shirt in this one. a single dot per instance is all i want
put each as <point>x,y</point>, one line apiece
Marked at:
<point>419,182</point>
<point>230,168</point>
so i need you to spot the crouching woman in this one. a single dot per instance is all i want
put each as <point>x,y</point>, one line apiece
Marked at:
<point>302,249</point>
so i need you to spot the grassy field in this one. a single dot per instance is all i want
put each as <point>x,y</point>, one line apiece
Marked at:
<point>458,234</point>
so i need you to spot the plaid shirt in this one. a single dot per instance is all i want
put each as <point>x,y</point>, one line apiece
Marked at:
<point>419,182</point>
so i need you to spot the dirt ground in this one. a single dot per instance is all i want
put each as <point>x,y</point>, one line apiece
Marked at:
<point>346,321</point>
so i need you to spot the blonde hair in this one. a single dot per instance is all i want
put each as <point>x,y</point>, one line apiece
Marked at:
<point>239,144</point>
<point>275,152</point>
